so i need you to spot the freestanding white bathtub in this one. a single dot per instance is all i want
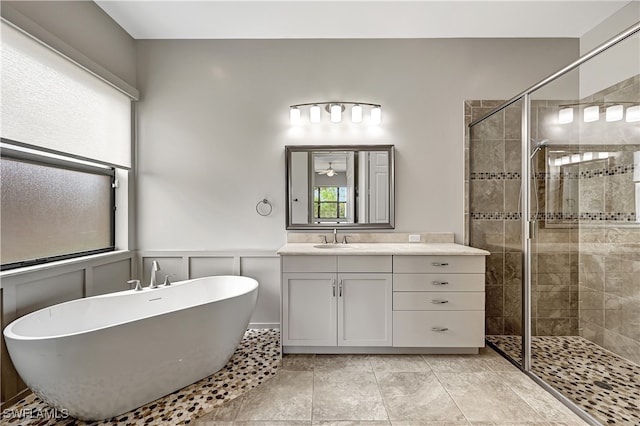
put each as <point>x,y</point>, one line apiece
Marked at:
<point>102,356</point>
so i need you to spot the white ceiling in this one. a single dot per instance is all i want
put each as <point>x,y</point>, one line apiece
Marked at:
<point>265,19</point>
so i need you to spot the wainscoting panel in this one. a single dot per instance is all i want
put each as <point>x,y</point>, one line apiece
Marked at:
<point>39,294</point>
<point>29,289</point>
<point>264,266</point>
<point>110,278</point>
<point>267,271</point>
<point>206,266</point>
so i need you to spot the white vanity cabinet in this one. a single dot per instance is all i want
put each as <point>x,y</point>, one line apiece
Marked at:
<point>337,301</point>
<point>438,301</point>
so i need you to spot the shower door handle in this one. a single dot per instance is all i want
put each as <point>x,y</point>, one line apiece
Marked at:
<point>533,229</point>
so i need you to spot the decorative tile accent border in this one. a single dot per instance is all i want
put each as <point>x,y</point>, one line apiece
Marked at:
<point>588,174</point>
<point>256,360</point>
<point>496,216</point>
<point>584,216</point>
<point>495,175</point>
<point>603,384</point>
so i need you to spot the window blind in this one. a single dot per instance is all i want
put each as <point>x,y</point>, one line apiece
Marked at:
<point>50,102</point>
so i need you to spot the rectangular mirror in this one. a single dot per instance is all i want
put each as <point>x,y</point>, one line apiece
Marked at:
<point>340,187</point>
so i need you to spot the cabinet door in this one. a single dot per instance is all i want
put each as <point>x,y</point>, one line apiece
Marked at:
<point>364,309</point>
<point>309,309</point>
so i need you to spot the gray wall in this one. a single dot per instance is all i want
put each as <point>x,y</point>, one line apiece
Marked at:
<point>598,74</point>
<point>213,123</point>
<point>85,27</point>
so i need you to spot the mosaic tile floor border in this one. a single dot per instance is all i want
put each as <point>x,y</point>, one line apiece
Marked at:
<point>256,360</point>
<point>605,385</point>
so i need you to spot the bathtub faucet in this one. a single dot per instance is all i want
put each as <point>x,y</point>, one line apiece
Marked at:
<point>155,267</point>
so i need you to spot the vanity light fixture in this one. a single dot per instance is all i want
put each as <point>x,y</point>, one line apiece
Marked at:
<point>314,114</point>
<point>294,116</point>
<point>356,113</point>
<point>614,113</point>
<point>633,114</point>
<point>591,114</point>
<point>336,113</point>
<point>335,110</point>
<point>565,116</point>
<point>376,115</point>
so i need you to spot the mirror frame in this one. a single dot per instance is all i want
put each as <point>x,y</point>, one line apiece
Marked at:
<point>289,149</point>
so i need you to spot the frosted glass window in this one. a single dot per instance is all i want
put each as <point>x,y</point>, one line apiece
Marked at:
<point>50,102</point>
<point>50,212</point>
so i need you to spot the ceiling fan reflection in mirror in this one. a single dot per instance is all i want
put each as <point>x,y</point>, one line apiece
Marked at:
<point>329,171</point>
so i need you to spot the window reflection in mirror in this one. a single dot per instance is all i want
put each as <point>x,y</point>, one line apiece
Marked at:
<point>340,186</point>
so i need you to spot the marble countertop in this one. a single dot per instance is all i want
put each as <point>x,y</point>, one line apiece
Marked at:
<point>433,249</point>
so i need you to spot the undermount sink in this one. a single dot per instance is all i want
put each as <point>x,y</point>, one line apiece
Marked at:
<point>332,246</point>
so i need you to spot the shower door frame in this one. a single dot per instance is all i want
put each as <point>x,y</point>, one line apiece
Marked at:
<point>529,226</point>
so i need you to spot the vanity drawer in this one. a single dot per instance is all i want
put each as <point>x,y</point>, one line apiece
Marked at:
<point>438,301</point>
<point>438,329</point>
<point>439,264</point>
<point>319,263</point>
<point>438,282</point>
<point>359,263</point>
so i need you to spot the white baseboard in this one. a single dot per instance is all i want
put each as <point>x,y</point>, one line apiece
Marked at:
<point>264,325</point>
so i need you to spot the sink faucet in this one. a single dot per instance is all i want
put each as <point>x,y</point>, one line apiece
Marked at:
<point>335,236</point>
<point>155,267</point>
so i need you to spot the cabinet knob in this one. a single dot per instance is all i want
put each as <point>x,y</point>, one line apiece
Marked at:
<point>439,329</point>
<point>439,282</point>
<point>439,264</point>
<point>439,301</point>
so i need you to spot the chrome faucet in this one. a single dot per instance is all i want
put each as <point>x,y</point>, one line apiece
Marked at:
<point>135,283</point>
<point>167,281</point>
<point>335,236</point>
<point>155,267</point>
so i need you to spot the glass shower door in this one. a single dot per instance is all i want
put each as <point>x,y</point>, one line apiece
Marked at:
<point>495,213</point>
<point>585,251</point>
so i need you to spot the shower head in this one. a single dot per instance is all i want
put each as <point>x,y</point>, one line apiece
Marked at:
<point>539,145</point>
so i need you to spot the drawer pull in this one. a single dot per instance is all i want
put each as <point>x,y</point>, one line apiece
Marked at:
<point>439,301</point>
<point>439,264</point>
<point>439,329</point>
<point>333,284</point>
<point>439,282</point>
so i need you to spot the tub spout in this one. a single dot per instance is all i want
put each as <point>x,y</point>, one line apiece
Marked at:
<point>155,267</point>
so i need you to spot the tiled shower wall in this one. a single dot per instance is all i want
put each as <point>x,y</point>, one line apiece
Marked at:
<point>586,270</point>
<point>494,185</point>
<point>609,308</point>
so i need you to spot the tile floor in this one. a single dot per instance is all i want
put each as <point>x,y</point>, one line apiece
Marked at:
<point>605,385</point>
<point>405,390</point>
<point>255,361</point>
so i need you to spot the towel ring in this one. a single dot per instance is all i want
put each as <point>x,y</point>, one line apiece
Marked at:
<point>264,207</point>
